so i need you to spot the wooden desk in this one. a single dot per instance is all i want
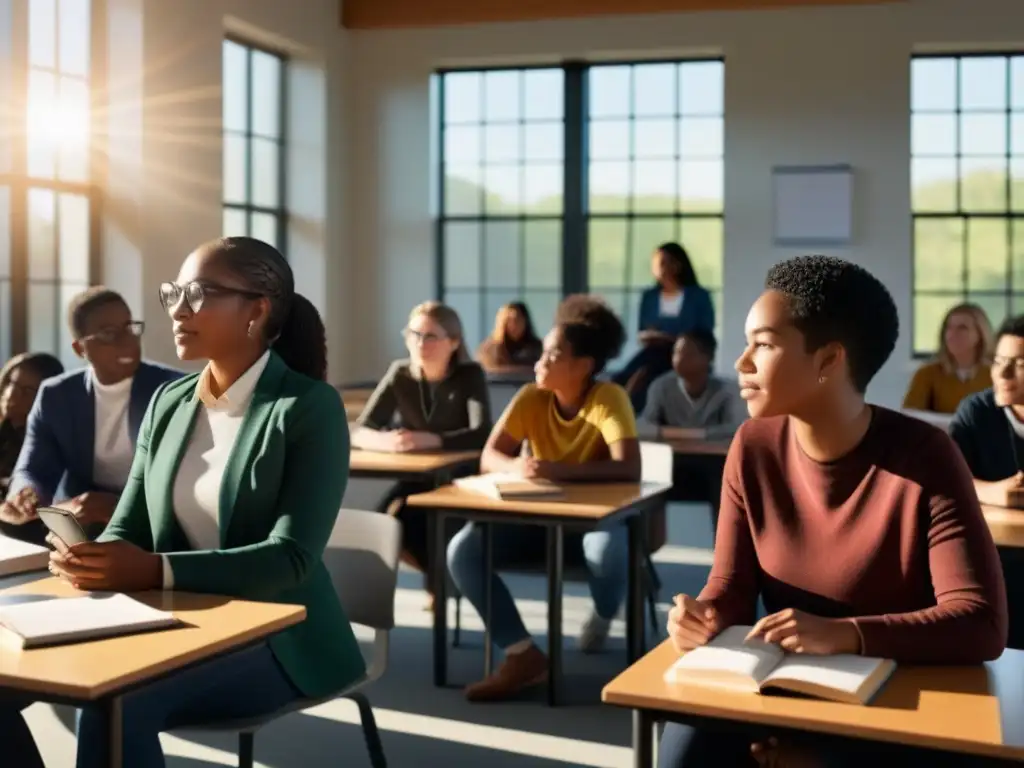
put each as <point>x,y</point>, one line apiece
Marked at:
<point>355,400</point>
<point>584,506</point>
<point>101,671</point>
<point>436,466</point>
<point>1006,525</point>
<point>972,710</point>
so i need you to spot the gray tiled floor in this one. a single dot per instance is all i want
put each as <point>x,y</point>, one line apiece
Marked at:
<point>423,726</point>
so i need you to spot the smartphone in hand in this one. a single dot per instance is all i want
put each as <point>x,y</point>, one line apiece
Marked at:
<point>63,524</point>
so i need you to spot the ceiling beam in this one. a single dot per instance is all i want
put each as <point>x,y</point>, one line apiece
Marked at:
<point>395,14</point>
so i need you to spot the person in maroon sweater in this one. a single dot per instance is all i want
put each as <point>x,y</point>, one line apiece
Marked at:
<point>857,526</point>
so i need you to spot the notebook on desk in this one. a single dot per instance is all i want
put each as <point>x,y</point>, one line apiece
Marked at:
<point>36,623</point>
<point>507,486</point>
<point>753,666</point>
<point>21,557</point>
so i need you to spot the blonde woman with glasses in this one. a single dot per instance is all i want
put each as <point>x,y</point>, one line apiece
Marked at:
<point>960,368</point>
<point>436,399</point>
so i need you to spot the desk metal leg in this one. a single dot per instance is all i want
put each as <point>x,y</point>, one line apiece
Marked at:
<point>643,739</point>
<point>115,722</point>
<point>488,564</point>
<point>635,625</point>
<point>555,581</point>
<point>439,578</point>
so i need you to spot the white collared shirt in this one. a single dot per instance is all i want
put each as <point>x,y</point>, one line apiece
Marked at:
<point>112,445</point>
<point>197,483</point>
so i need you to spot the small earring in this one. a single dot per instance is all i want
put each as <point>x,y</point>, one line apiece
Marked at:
<point>822,379</point>
<point>251,326</point>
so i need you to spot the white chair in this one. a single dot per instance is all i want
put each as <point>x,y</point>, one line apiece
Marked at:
<point>362,558</point>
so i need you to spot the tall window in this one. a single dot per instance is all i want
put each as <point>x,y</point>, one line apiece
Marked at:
<point>254,143</point>
<point>502,134</point>
<point>967,169</point>
<point>655,169</point>
<point>560,180</point>
<point>48,205</point>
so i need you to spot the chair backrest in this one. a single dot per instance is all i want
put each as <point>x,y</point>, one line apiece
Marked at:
<point>362,558</point>
<point>656,463</point>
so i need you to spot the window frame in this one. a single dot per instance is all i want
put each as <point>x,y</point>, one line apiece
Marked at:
<point>1008,216</point>
<point>248,208</point>
<point>20,184</point>
<point>576,216</point>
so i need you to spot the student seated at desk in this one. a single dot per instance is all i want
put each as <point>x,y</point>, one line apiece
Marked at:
<point>690,402</point>
<point>989,426</point>
<point>20,380</point>
<point>577,429</point>
<point>961,367</point>
<point>857,526</point>
<point>437,399</point>
<point>513,344</point>
<point>234,491</point>
<point>82,431</point>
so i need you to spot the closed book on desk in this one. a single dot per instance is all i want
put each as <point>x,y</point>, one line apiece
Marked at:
<point>35,623</point>
<point>507,486</point>
<point>756,667</point>
<point>21,557</point>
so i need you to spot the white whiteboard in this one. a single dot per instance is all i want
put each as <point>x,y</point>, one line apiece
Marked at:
<point>813,205</point>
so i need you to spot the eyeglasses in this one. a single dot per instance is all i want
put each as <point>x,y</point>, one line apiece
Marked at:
<point>197,292</point>
<point>114,335</point>
<point>412,336</point>
<point>1002,363</point>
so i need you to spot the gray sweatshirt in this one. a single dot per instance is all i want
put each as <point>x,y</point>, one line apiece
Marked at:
<point>719,410</point>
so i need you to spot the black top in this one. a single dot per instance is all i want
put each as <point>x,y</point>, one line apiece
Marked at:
<point>457,409</point>
<point>986,438</point>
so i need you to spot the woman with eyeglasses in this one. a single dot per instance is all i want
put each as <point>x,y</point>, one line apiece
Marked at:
<point>437,399</point>
<point>19,381</point>
<point>235,488</point>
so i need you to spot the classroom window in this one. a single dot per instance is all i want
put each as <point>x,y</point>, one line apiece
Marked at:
<point>47,201</point>
<point>560,180</point>
<point>502,137</point>
<point>967,171</point>
<point>655,167</point>
<point>254,105</point>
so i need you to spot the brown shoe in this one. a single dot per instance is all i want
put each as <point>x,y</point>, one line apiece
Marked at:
<point>518,672</point>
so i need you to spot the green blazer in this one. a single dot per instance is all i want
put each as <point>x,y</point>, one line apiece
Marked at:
<point>279,499</point>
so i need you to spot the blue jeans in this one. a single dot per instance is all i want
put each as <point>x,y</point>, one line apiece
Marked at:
<point>682,746</point>
<point>605,552</point>
<point>249,683</point>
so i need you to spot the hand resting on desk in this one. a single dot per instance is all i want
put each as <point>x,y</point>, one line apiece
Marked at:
<point>117,566</point>
<point>692,623</point>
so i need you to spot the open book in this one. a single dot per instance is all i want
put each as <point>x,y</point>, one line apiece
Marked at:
<point>20,556</point>
<point>29,622</point>
<point>758,667</point>
<point>499,485</point>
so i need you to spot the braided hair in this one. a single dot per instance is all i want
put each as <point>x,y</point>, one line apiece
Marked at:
<point>293,329</point>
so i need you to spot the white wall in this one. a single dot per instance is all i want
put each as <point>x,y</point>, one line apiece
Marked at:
<point>162,139</point>
<point>806,86</point>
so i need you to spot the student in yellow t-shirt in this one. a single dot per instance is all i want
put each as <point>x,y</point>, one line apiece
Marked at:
<point>577,429</point>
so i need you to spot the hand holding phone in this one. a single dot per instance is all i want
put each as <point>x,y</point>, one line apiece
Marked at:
<point>63,524</point>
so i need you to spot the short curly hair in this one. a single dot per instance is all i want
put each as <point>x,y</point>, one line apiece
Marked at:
<point>832,300</point>
<point>592,329</point>
<point>83,304</point>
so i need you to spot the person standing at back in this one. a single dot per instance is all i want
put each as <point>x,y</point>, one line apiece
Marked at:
<point>961,367</point>
<point>83,428</point>
<point>675,304</point>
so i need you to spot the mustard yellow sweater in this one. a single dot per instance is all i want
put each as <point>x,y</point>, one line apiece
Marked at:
<point>934,389</point>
